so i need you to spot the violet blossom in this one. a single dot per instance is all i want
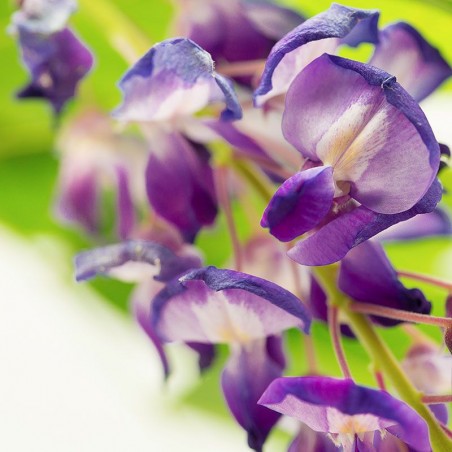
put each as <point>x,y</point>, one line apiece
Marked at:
<point>149,265</point>
<point>212,306</point>
<point>354,417</point>
<point>174,80</point>
<point>239,30</point>
<point>56,59</point>
<point>363,138</point>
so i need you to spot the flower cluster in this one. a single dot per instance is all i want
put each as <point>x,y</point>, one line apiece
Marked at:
<point>253,99</point>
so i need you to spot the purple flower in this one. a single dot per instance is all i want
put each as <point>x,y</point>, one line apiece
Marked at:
<point>429,368</point>
<point>364,139</point>
<point>355,417</point>
<point>434,223</point>
<point>322,33</point>
<point>57,62</point>
<point>175,78</point>
<point>309,440</point>
<point>239,30</point>
<point>56,59</point>
<point>418,66</point>
<point>94,158</point>
<point>211,306</point>
<point>366,275</point>
<point>179,182</point>
<point>150,265</point>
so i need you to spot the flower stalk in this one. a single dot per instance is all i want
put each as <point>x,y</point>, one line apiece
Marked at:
<point>398,314</point>
<point>426,279</point>
<point>334,327</point>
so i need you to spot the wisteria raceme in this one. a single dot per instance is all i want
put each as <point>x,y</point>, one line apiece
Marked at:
<point>249,113</point>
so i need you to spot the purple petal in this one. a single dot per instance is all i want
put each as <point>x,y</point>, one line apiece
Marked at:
<point>426,225</point>
<point>366,275</point>
<point>326,404</point>
<point>206,354</point>
<point>288,57</point>
<point>376,138</point>
<point>318,305</point>
<point>236,138</point>
<point>248,372</point>
<point>78,196</point>
<point>161,263</point>
<point>126,211</point>
<point>57,63</point>
<point>144,292</point>
<point>224,306</point>
<point>333,241</point>
<point>275,351</point>
<point>309,440</point>
<point>179,183</point>
<point>175,78</point>
<point>418,66</point>
<point>300,203</point>
<point>233,109</point>
<point>429,368</point>
<point>236,30</point>
<point>43,16</point>
<point>272,20</point>
<point>440,412</point>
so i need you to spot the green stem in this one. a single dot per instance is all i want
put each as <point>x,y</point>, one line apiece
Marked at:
<point>382,357</point>
<point>122,33</point>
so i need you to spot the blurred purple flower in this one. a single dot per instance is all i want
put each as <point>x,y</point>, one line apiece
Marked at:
<point>403,52</point>
<point>95,158</point>
<point>56,59</point>
<point>239,30</point>
<point>56,62</point>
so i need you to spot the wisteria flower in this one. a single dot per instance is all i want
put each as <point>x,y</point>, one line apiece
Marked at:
<point>56,59</point>
<point>367,276</point>
<point>173,81</point>
<point>175,78</point>
<point>364,140</point>
<point>354,417</point>
<point>149,265</point>
<point>179,181</point>
<point>96,159</point>
<point>212,306</point>
<point>239,30</point>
